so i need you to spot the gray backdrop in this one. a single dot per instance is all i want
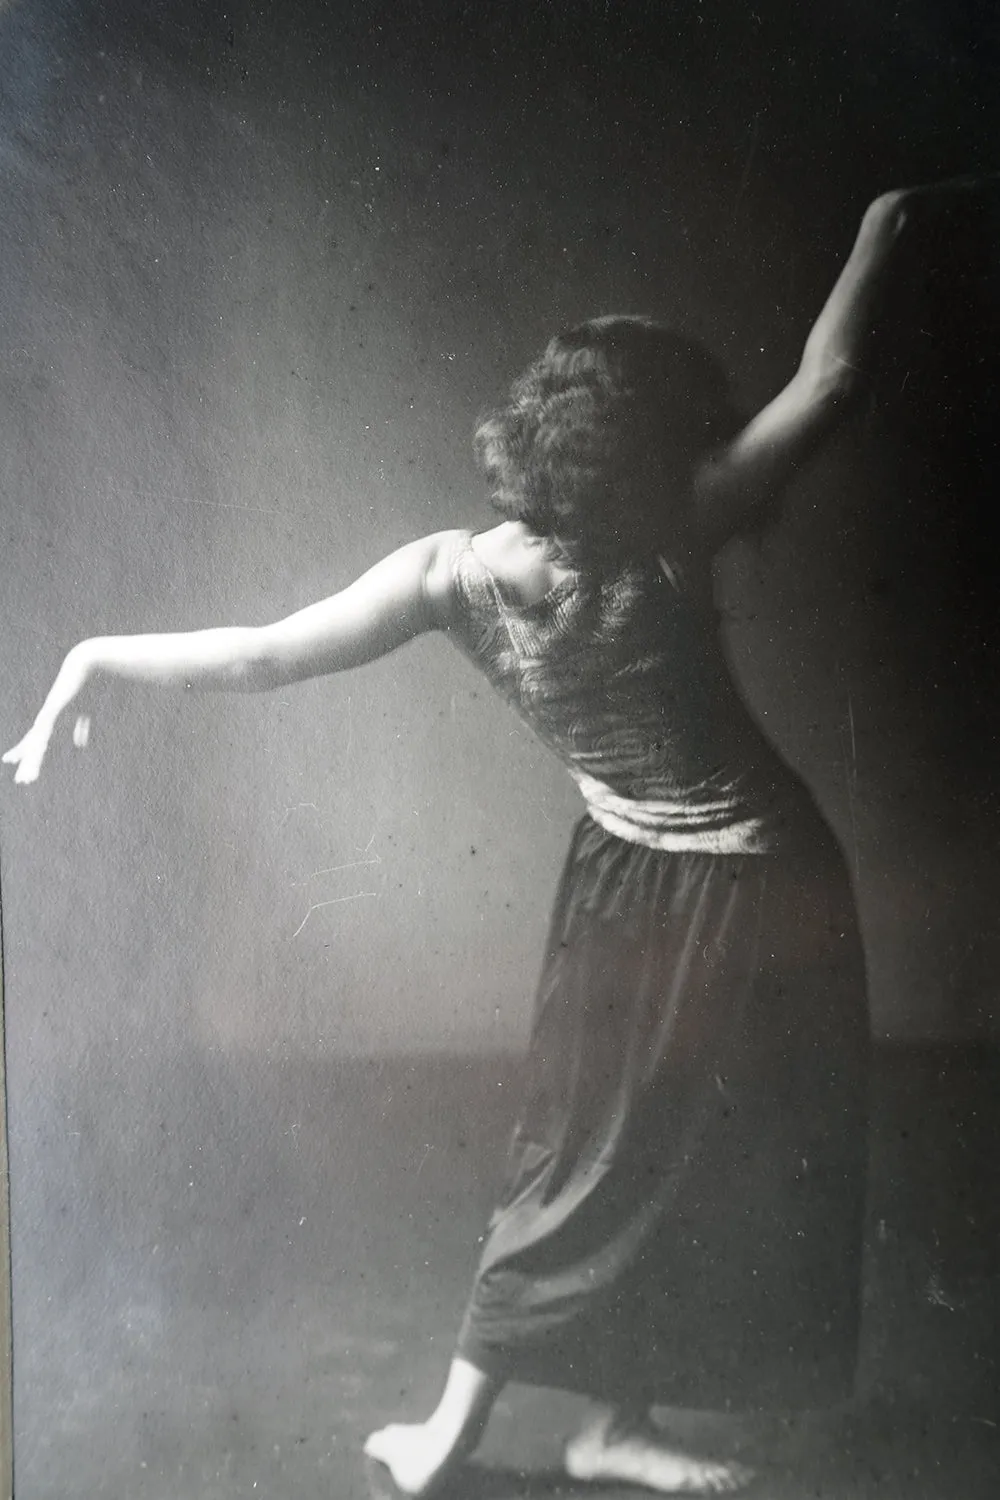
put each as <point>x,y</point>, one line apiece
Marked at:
<point>259,276</point>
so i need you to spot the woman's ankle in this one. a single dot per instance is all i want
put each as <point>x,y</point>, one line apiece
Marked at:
<point>626,1417</point>
<point>465,1405</point>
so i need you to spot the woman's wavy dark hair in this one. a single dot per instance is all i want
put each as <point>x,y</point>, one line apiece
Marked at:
<point>600,437</point>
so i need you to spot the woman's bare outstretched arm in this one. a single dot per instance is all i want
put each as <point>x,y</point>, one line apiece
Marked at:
<point>737,488</point>
<point>404,595</point>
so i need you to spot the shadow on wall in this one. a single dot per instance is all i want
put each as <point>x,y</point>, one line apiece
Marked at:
<point>883,676</point>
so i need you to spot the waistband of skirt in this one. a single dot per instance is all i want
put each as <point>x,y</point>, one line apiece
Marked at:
<point>747,837</point>
<point>675,826</point>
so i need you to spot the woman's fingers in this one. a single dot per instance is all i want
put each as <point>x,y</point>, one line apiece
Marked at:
<point>977,191</point>
<point>27,755</point>
<point>957,187</point>
<point>28,762</point>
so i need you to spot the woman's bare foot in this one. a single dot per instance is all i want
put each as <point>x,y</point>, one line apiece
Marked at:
<point>636,1454</point>
<point>422,1457</point>
<point>419,1459</point>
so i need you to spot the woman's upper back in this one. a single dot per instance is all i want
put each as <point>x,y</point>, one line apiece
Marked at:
<point>618,667</point>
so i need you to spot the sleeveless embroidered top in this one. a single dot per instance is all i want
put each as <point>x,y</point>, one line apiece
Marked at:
<point>624,677</point>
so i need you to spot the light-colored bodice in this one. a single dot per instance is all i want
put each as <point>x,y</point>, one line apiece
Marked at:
<point>622,674</point>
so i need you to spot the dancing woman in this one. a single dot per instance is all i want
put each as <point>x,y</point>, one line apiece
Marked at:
<point>682,1214</point>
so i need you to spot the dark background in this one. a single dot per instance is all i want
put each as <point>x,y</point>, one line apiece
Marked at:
<point>260,269</point>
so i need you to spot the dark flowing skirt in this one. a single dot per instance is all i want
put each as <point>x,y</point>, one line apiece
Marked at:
<point>683,1211</point>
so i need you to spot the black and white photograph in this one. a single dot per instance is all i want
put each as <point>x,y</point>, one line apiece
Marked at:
<point>500,822</point>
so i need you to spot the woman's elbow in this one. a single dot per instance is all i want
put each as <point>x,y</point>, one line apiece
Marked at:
<point>832,385</point>
<point>260,666</point>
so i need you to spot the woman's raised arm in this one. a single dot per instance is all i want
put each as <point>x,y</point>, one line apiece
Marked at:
<point>402,596</point>
<point>736,488</point>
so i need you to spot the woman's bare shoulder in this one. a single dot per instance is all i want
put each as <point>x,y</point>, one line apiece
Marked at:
<point>521,561</point>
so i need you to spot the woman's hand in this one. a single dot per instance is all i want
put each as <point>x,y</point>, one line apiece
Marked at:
<point>29,753</point>
<point>952,192</point>
<point>942,208</point>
